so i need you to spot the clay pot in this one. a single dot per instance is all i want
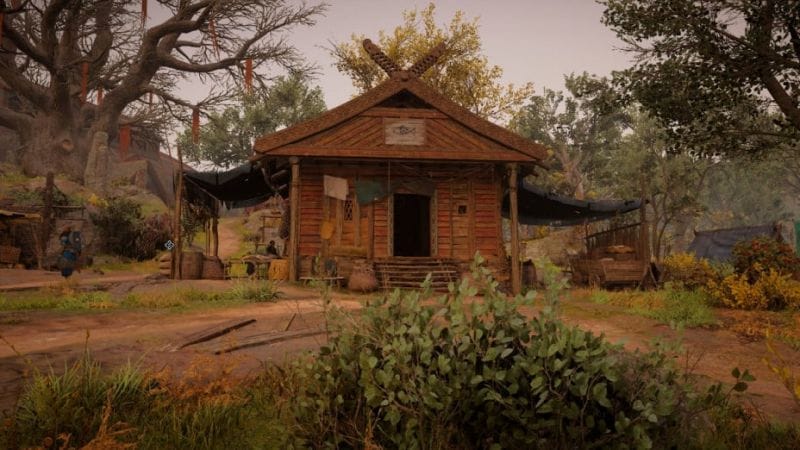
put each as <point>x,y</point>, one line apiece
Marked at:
<point>362,278</point>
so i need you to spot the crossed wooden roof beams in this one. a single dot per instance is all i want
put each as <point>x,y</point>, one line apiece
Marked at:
<point>399,80</point>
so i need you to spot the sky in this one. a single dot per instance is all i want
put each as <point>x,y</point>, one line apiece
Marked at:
<point>534,41</point>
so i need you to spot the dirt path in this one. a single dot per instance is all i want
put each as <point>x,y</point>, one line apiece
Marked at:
<point>229,239</point>
<point>18,280</point>
<point>53,338</point>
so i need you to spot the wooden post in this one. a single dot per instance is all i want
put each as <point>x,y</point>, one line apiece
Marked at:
<point>215,236</point>
<point>516,280</point>
<point>177,251</point>
<point>207,232</point>
<point>47,219</point>
<point>294,217</point>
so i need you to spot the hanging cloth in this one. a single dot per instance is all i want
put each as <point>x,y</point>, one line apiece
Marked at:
<point>335,187</point>
<point>368,191</point>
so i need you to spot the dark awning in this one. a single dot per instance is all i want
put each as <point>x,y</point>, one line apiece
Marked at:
<point>717,245</point>
<point>240,187</point>
<point>540,207</point>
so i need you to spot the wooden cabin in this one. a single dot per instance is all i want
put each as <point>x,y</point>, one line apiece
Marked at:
<point>401,176</point>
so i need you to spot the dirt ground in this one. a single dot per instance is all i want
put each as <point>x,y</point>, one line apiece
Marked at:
<point>55,338</point>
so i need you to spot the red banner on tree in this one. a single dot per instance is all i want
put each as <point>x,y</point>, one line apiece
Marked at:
<point>84,81</point>
<point>248,74</point>
<point>195,125</point>
<point>99,95</point>
<point>144,12</point>
<point>124,140</point>
<point>212,30</point>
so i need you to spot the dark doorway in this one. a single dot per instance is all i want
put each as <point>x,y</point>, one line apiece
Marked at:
<point>412,225</point>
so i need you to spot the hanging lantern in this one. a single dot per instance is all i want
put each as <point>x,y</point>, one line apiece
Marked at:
<point>212,30</point>
<point>84,80</point>
<point>99,95</point>
<point>144,12</point>
<point>124,139</point>
<point>248,75</point>
<point>195,125</point>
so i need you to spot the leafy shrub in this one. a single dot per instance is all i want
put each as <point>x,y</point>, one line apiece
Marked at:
<point>118,225</point>
<point>762,254</point>
<point>412,374</point>
<point>125,232</point>
<point>758,289</point>
<point>686,269</point>
<point>151,235</point>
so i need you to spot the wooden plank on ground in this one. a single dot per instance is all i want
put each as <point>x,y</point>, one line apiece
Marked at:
<point>214,332</point>
<point>269,338</point>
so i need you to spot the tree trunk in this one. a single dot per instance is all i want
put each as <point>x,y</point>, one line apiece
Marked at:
<point>52,148</point>
<point>95,175</point>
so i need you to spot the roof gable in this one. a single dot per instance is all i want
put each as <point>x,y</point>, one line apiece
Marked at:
<point>467,122</point>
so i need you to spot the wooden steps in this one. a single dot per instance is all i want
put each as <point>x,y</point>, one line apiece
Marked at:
<point>410,272</point>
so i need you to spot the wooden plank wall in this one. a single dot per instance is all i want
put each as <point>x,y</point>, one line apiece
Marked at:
<point>459,232</point>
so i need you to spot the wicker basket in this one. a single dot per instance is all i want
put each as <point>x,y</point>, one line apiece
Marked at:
<point>212,268</point>
<point>9,255</point>
<point>279,269</point>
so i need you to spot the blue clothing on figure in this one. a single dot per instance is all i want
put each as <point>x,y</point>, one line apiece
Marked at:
<point>71,243</point>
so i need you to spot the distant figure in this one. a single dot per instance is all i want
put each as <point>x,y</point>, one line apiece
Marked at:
<point>271,249</point>
<point>70,251</point>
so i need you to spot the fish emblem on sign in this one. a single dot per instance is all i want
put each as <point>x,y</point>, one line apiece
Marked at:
<point>404,131</point>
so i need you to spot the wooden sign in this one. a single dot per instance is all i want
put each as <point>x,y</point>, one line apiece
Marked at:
<point>404,131</point>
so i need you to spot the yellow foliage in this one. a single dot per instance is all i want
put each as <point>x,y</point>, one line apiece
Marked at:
<point>685,268</point>
<point>462,74</point>
<point>94,200</point>
<point>772,290</point>
<point>778,365</point>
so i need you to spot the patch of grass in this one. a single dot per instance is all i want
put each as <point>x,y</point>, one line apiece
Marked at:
<point>85,405</point>
<point>70,299</point>
<point>182,298</point>
<point>670,306</point>
<point>46,299</point>
<point>116,265</point>
<point>687,308</point>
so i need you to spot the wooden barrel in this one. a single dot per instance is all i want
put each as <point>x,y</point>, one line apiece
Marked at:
<point>192,265</point>
<point>191,268</point>
<point>212,268</point>
<point>165,264</point>
<point>279,269</point>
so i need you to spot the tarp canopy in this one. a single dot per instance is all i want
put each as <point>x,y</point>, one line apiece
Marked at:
<point>717,245</point>
<point>240,187</point>
<point>539,207</point>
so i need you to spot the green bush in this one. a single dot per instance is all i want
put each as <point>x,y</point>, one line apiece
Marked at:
<point>118,224</point>
<point>411,374</point>
<point>125,232</point>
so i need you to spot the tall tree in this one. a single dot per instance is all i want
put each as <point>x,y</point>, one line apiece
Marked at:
<point>54,52</point>
<point>672,183</point>
<point>463,73</point>
<point>707,68</point>
<point>578,128</point>
<point>227,138</point>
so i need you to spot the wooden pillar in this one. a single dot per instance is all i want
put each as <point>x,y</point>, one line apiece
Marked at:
<point>294,217</point>
<point>516,280</point>
<point>177,251</point>
<point>47,219</point>
<point>215,236</point>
